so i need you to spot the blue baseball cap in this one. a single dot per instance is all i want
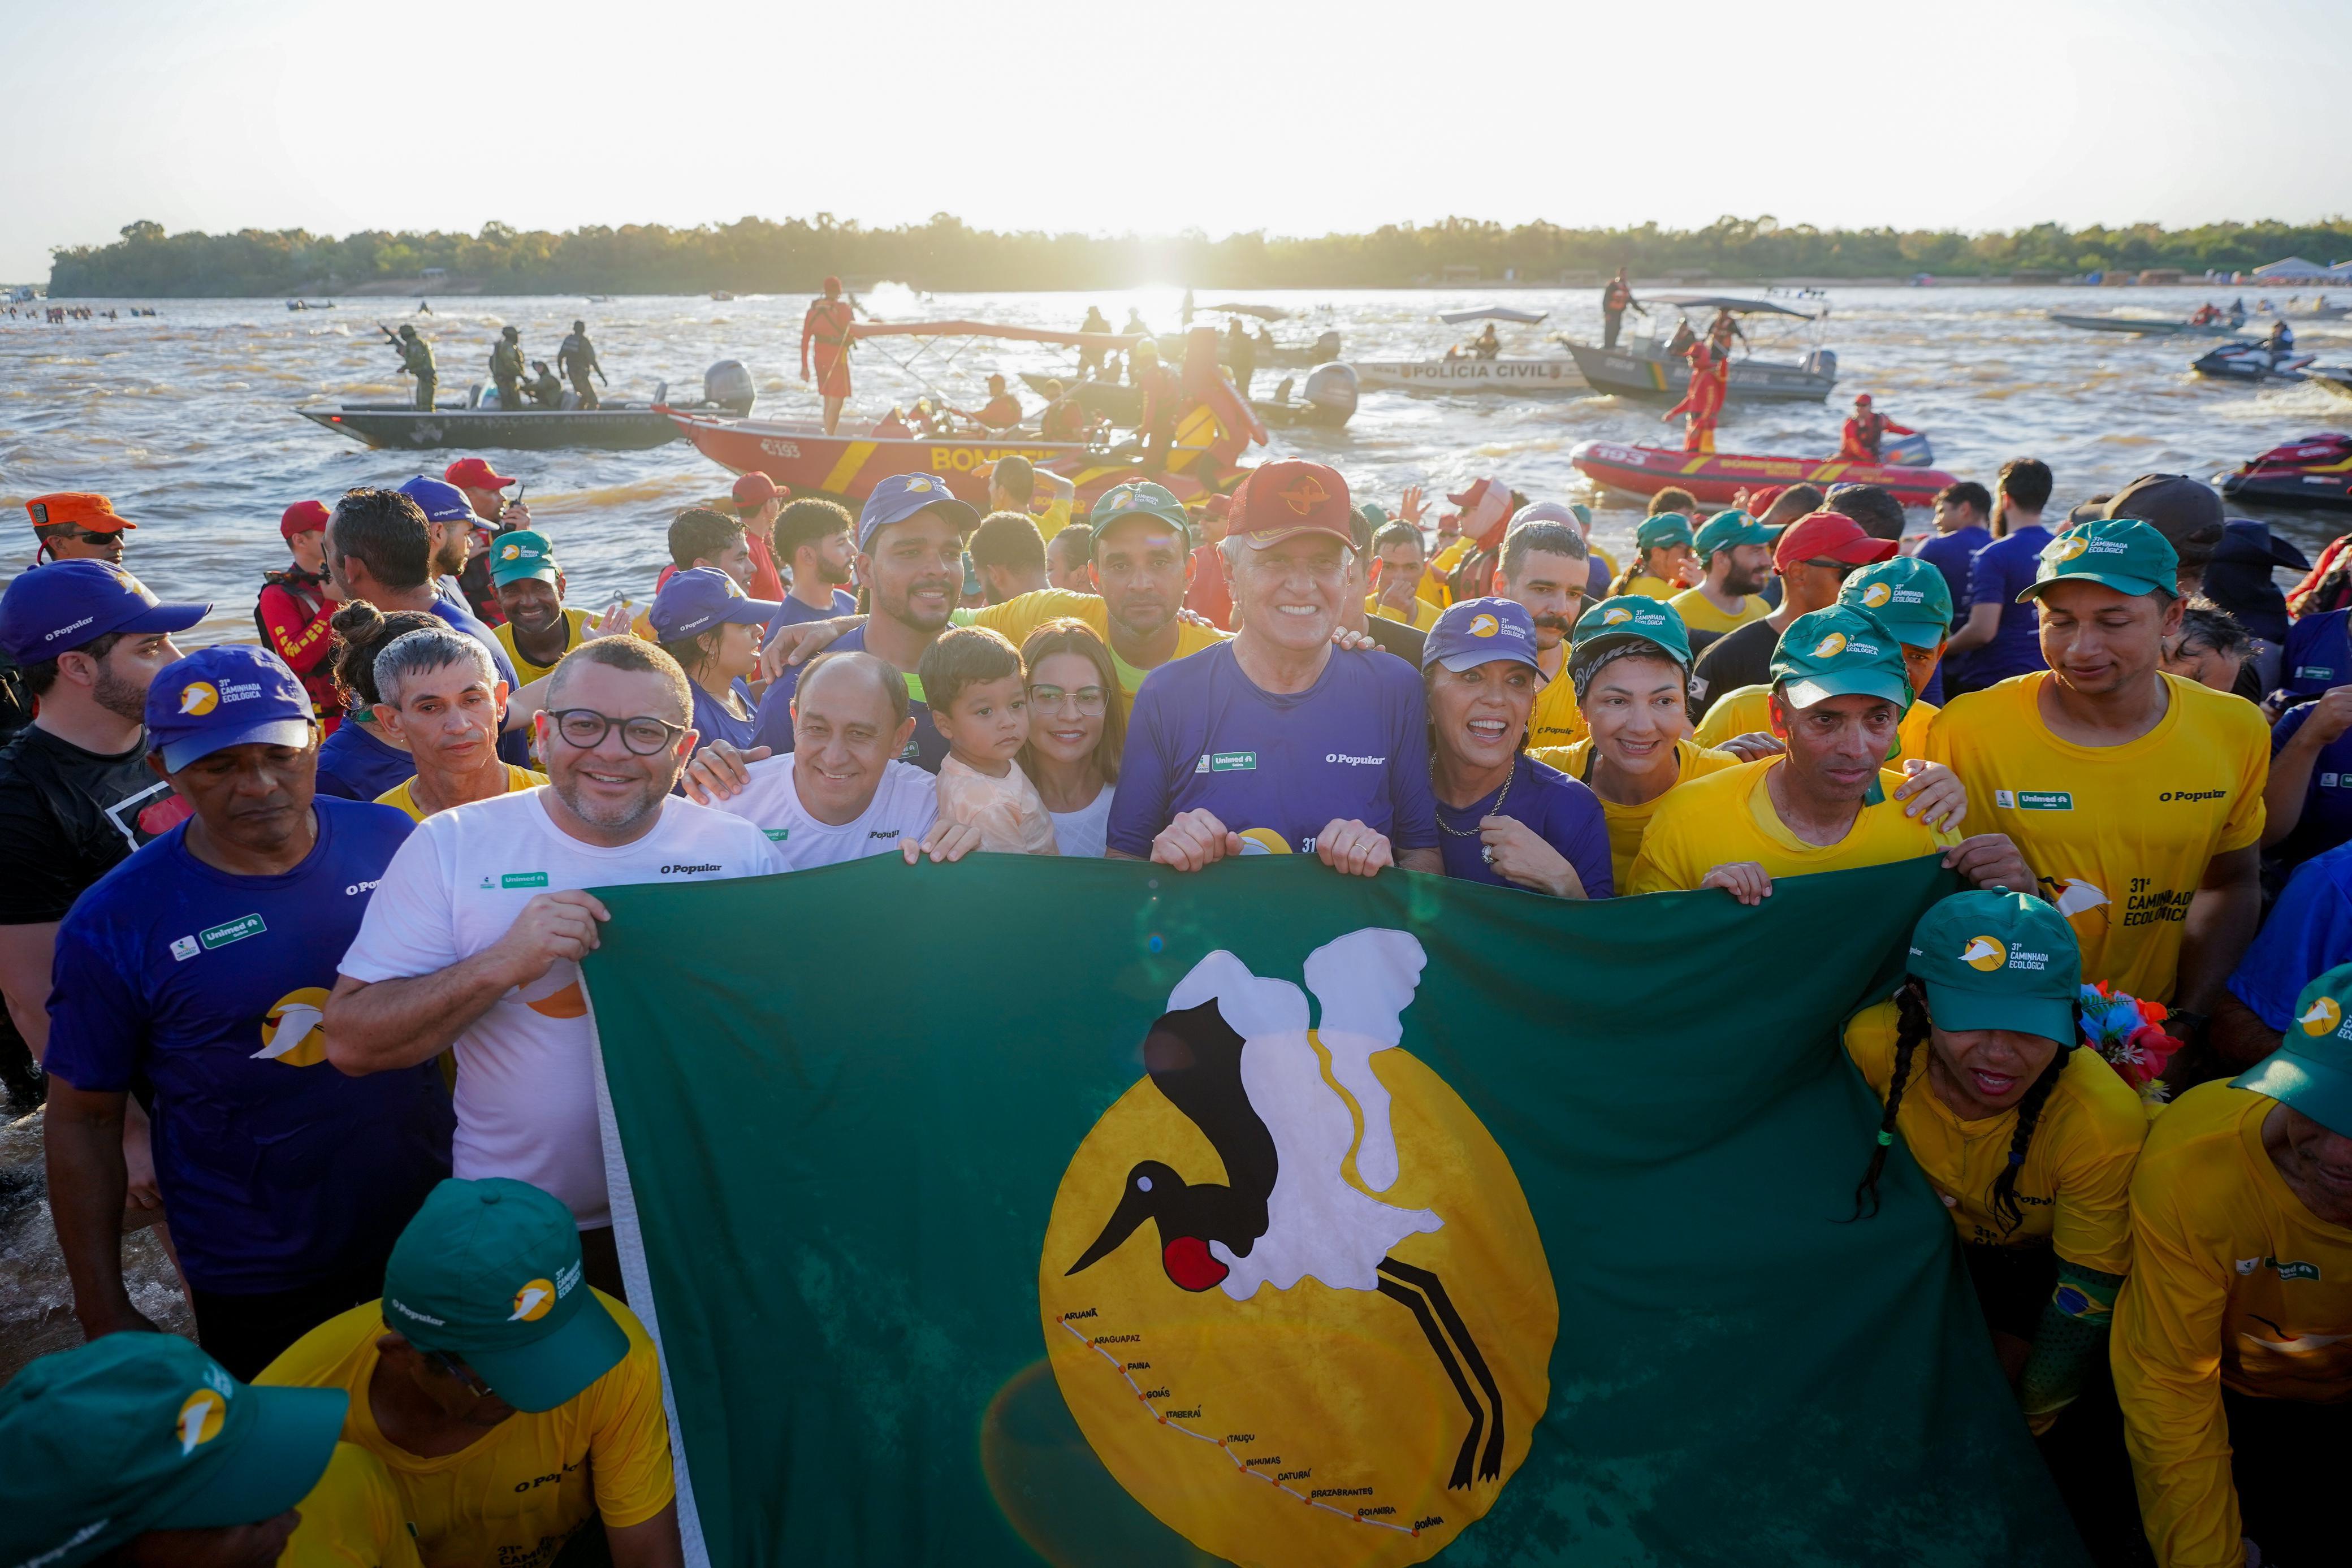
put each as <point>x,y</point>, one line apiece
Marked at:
<point>901,496</point>
<point>702,597</point>
<point>442,502</point>
<point>1475,631</point>
<point>234,694</point>
<point>54,608</point>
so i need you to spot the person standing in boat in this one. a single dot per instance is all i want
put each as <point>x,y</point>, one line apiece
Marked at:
<point>1710,374</point>
<point>1616,298</point>
<point>1091,359</point>
<point>1865,431</point>
<point>1241,356</point>
<point>506,370</point>
<point>577,355</point>
<point>416,360</point>
<point>1486,345</point>
<point>826,326</point>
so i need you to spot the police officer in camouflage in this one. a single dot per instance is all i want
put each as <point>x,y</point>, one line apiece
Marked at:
<point>577,356</point>
<point>506,370</point>
<point>416,360</point>
<point>545,391</point>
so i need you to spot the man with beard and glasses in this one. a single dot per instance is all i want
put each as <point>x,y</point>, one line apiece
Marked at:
<point>1735,552</point>
<point>473,936</point>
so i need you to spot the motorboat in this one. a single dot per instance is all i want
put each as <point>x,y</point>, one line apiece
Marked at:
<point>309,305</point>
<point>2152,325</point>
<point>1654,368</point>
<point>1716,478</point>
<point>2251,362</point>
<point>622,425</point>
<point>1458,371</point>
<point>2314,473</point>
<point>1214,427</point>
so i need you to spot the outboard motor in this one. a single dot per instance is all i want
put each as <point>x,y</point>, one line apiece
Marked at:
<point>1326,346</point>
<point>1332,390</point>
<point>1823,362</point>
<point>729,384</point>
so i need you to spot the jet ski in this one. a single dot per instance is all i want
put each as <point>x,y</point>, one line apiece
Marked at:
<point>2252,362</point>
<point>1329,400</point>
<point>2314,472</point>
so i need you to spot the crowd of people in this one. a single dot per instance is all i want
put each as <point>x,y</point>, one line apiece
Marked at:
<point>295,933</point>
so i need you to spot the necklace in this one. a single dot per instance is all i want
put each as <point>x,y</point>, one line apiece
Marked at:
<point>1487,853</point>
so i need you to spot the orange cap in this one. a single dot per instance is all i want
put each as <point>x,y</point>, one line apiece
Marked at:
<point>82,509</point>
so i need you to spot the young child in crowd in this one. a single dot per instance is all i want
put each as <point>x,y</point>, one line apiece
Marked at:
<point>979,697</point>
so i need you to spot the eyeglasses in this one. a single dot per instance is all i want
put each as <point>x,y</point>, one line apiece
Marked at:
<point>451,1367</point>
<point>1090,700</point>
<point>86,536</point>
<point>1844,569</point>
<point>585,729</point>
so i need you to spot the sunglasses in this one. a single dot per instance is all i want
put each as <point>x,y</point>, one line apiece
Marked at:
<point>86,536</point>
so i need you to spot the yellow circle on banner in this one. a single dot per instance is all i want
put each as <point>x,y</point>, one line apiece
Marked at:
<point>1306,1426</point>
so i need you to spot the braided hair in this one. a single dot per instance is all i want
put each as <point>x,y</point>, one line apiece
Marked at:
<point>1912,1030</point>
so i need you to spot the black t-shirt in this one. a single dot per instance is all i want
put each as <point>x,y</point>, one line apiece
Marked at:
<point>68,817</point>
<point>1737,658</point>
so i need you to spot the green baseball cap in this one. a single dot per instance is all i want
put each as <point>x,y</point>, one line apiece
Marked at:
<point>521,554</point>
<point>1999,960</point>
<point>2312,1068</point>
<point>489,1271</point>
<point>1140,500</point>
<point>1839,652</point>
<point>1908,594</point>
<point>1630,617</point>
<point>1728,530</point>
<point>1663,531</point>
<point>136,1432</point>
<point>2124,553</point>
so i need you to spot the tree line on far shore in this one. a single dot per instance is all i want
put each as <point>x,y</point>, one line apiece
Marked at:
<point>756,255</point>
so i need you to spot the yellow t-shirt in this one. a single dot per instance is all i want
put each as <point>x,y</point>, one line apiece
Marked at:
<point>2119,835</point>
<point>352,1518</point>
<point>403,795</point>
<point>1649,587</point>
<point>1555,720</point>
<point>1440,567</point>
<point>1727,817</point>
<point>516,1495</point>
<point>1019,616</point>
<point>1424,613</point>
<point>2073,1189</point>
<point>573,620</point>
<point>2234,1284</point>
<point>1628,824</point>
<point>1699,614</point>
<point>1745,710</point>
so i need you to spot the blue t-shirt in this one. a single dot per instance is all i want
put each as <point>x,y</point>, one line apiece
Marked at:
<point>1564,812</point>
<point>277,1170</point>
<point>2319,655</point>
<point>2309,932</point>
<point>795,613</point>
<point>773,727</point>
<point>1353,745</point>
<point>355,765</point>
<point>1950,554</point>
<point>713,722</point>
<point>514,744</point>
<point>1999,573</point>
<point>2327,819</point>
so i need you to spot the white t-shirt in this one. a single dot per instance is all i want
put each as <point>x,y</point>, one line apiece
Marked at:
<point>526,1077</point>
<point>905,805</point>
<point>1081,833</point>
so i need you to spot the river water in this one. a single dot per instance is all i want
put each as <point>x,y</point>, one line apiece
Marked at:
<point>188,419</point>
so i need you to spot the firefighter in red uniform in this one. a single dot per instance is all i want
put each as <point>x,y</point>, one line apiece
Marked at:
<point>295,608</point>
<point>1709,374</point>
<point>826,325</point>
<point>1866,430</point>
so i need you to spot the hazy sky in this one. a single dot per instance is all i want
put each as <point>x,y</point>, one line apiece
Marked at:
<point>1214,114</point>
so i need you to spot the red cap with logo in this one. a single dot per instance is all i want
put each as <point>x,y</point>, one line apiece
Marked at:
<point>755,490</point>
<point>1828,536</point>
<point>1291,497</point>
<point>303,517</point>
<point>472,474</point>
<point>84,509</point>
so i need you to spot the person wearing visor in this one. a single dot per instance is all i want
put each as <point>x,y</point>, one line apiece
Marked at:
<point>1630,667</point>
<point>513,1403</point>
<point>198,969</point>
<point>1828,802</point>
<point>1906,594</point>
<point>1735,553</point>
<point>77,525</point>
<point>1502,817</point>
<point>2028,1141</point>
<point>2233,1335</point>
<point>1665,560</point>
<point>708,624</point>
<point>2136,795</point>
<point>140,1449</point>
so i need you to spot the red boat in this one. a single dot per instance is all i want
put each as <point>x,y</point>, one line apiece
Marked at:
<point>1717,477</point>
<point>1214,427</point>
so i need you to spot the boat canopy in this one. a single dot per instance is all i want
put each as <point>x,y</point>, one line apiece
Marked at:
<point>1119,340</point>
<point>2295,270</point>
<point>1263,312</point>
<point>1492,313</point>
<point>1725,302</point>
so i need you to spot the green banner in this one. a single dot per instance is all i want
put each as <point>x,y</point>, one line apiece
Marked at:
<point>1083,1213</point>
